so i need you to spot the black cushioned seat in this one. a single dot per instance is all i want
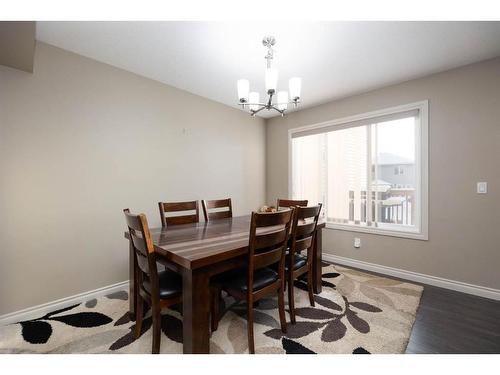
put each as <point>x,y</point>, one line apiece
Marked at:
<point>299,261</point>
<point>170,284</point>
<point>238,279</point>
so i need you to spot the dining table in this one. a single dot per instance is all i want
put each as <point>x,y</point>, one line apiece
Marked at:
<point>197,252</point>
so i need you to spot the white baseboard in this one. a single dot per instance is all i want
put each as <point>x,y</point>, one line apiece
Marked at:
<point>40,310</point>
<point>459,286</point>
<point>477,290</point>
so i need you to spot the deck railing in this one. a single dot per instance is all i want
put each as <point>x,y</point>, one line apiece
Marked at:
<point>394,206</point>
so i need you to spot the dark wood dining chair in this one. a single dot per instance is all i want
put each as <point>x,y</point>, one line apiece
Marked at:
<point>159,289</point>
<point>286,203</point>
<point>217,205</point>
<point>301,239</point>
<point>266,247</point>
<point>190,209</point>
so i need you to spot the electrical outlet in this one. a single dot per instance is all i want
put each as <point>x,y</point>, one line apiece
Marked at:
<point>357,242</point>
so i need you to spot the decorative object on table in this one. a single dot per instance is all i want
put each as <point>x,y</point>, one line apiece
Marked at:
<point>267,209</point>
<point>251,100</point>
<point>286,203</point>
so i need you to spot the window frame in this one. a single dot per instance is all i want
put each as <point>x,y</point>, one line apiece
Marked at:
<point>422,168</point>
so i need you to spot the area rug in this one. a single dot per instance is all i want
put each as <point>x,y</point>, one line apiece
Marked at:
<point>356,313</point>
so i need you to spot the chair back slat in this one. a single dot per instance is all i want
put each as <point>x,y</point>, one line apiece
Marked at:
<point>304,229</point>
<point>303,244</point>
<point>307,212</point>
<point>142,262</point>
<point>287,203</point>
<point>217,205</point>
<point>133,221</point>
<point>219,215</point>
<point>268,239</point>
<point>183,213</point>
<point>303,232</point>
<point>139,243</point>
<point>145,256</point>
<point>180,206</point>
<point>267,258</point>
<point>179,220</point>
<point>268,219</point>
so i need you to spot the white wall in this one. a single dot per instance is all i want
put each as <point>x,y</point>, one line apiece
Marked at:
<point>80,141</point>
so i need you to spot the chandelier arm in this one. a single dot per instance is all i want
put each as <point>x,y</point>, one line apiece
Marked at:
<point>253,112</point>
<point>248,104</point>
<point>282,111</point>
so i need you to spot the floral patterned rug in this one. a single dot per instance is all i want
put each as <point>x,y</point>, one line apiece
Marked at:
<point>355,313</point>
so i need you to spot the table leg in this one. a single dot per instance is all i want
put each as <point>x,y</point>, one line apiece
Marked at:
<point>196,309</point>
<point>317,261</point>
<point>132,283</point>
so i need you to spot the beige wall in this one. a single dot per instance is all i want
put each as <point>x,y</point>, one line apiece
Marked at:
<point>80,141</point>
<point>74,135</point>
<point>464,132</point>
<point>17,44</point>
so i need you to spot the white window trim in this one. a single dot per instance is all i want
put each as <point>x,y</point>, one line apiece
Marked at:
<point>422,159</point>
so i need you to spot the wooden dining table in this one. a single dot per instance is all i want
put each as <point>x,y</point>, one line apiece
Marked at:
<point>199,251</point>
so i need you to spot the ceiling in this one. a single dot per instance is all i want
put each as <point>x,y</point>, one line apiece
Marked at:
<point>334,59</point>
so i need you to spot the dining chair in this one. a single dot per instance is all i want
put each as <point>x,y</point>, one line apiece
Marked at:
<point>217,205</point>
<point>286,203</point>
<point>302,238</point>
<point>159,289</point>
<point>267,245</point>
<point>169,213</point>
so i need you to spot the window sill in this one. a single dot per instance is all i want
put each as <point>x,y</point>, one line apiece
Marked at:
<point>378,231</point>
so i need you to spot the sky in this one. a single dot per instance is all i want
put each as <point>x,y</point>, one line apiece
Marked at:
<point>397,137</point>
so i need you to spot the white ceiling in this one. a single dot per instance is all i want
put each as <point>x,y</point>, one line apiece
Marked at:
<point>334,59</point>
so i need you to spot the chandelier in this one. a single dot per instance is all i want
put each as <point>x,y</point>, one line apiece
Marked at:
<point>251,100</point>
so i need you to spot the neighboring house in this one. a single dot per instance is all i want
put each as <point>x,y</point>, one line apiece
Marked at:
<point>396,170</point>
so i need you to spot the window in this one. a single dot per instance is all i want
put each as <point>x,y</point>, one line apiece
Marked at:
<point>369,171</point>
<point>398,170</point>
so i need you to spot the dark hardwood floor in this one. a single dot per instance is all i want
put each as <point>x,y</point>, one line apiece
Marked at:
<point>453,322</point>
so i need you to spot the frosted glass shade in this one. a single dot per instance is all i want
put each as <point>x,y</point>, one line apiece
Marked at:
<point>282,100</point>
<point>294,85</point>
<point>243,88</point>
<point>271,79</point>
<point>254,100</point>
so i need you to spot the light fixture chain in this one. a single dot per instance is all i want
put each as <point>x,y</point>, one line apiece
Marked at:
<point>269,42</point>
